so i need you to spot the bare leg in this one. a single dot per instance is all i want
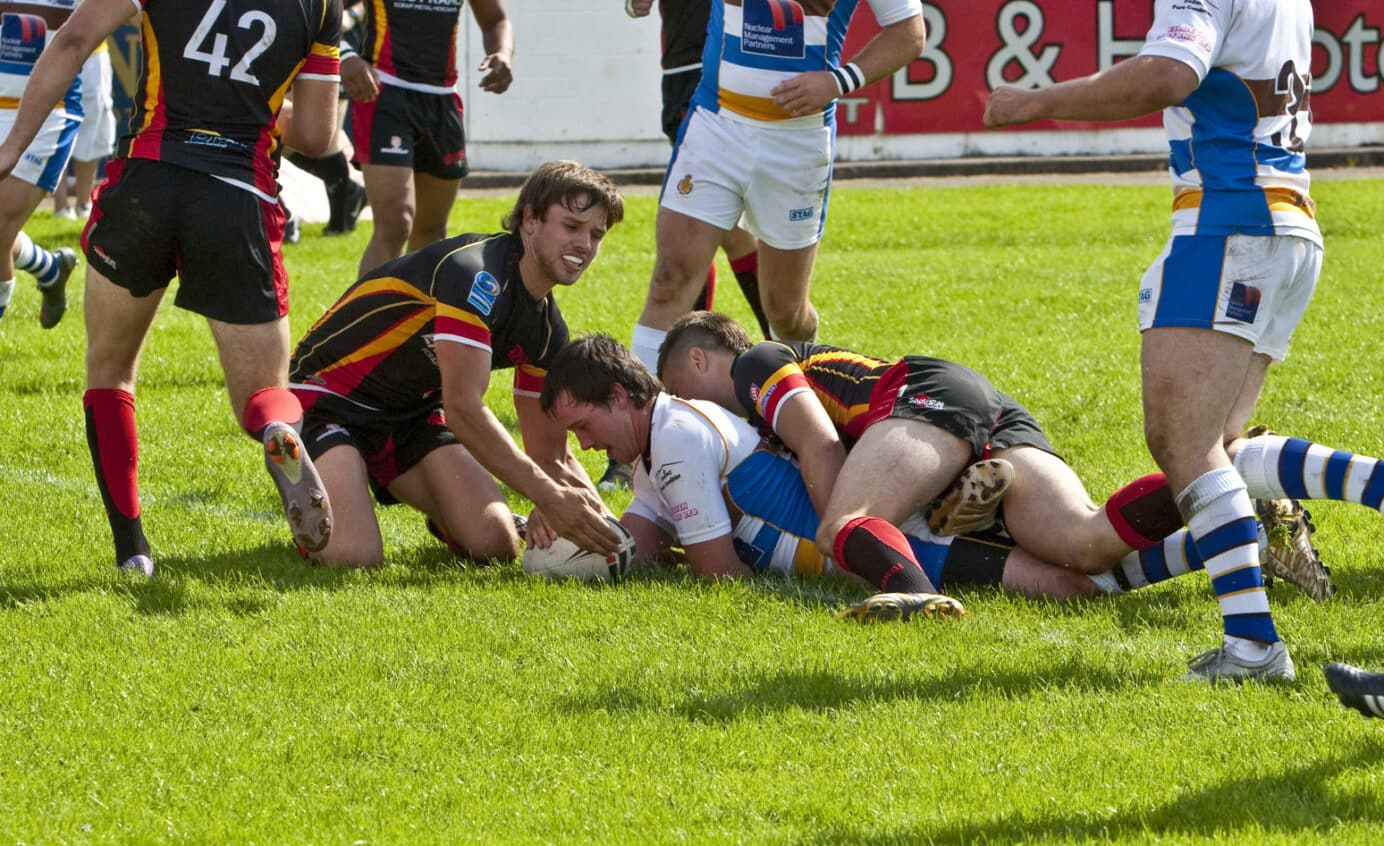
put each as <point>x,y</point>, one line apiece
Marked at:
<point>390,192</point>
<point>434,199</point>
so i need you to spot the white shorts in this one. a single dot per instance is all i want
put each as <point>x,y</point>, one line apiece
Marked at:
<point>777,176</point>
<point>96,138</point>
<point>1254,287</point>
<point>46,158</point>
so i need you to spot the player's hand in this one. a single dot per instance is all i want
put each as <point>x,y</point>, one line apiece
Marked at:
<point>1008,106</point>
<point>638,8</point>
<point>360,79</point>
<point>500,75</point>
<point>579,515</point>
<point>538,533</point>
<point>805,93</point>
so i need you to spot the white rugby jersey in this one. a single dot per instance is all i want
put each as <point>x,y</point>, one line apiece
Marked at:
<point>1237,144</point>
<point>708,476</point>
<point>753,45</point>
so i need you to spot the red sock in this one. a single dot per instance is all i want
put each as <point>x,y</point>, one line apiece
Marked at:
<point>708,294</point>
<point>1143,511</point>
<point>879,553</point>
<point>268,405</point>
<point>114,443</point>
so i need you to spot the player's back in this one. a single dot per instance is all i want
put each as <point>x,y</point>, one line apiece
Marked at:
<point>1238,143</point>
<point>215,74</point>
<point>771,372</point>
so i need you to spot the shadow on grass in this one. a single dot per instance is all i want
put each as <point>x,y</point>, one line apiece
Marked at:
<point>824,690</point>
<point>1301,800</point>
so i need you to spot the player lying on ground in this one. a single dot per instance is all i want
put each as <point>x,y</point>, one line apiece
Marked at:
<point>878,440</point>
<point>393,378</point>
<point>705,481</point>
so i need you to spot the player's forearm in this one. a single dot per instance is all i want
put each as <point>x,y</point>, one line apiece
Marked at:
<point>1131,89</point>
<point>489,443</point>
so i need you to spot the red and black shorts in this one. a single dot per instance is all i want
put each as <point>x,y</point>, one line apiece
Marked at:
<point>958,400</point>
<point>151,221</point>
<point>413,129</point>
<point>678,89</point>
<point>390,447</point>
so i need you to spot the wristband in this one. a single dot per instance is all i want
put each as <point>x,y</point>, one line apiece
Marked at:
<point>848,77</point>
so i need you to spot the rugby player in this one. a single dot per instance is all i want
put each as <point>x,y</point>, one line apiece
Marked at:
<point>38,168</point>
<point>880,439</point>
<point>705,481</point>
<point>407,131</point>
<point>393,380</point>
<point>1221,302</point>
<point>193,192</point>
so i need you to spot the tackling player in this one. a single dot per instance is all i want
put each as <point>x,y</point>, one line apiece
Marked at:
<point>393,380</point>
<point>192,192</point>
<point>880,439</point>
<point>1220,303</point>
<point>707,482</point>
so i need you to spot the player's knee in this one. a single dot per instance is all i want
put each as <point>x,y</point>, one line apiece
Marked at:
<point>494,541</point>
<point>394,224</point>
<point>673,285</point>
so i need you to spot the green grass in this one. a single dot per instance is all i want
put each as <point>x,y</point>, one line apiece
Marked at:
<point>244,696</point>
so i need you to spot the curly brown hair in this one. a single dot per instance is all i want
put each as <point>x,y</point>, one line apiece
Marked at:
<point>575,186</point>
<point>589,366</point>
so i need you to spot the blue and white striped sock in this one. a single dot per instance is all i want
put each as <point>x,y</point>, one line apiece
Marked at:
<point>1221,519</point>
<point>36,260</point>
<point>1275,467</point>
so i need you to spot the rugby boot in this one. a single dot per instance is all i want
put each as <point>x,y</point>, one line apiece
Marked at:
<point>1289,554</point>
<point>54,303</point>
<point>141,565</point>
<point>1357,689</point>
<point>346,199</point>
<point>973,500</point>
<point>617,476</point>
<point>1221,664</point>
<point>304,497</point>
<point>883,607</point>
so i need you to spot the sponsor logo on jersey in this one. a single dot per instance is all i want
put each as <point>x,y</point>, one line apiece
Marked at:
<point>684,511</point>
<point>773,28</point>
<point>1244,302</point>
<point>21,39</point>
<point>925,401</point>
<point>430,348</point>
<point>212,140</point>
<point>666,475</point>
<point>801,214</point>
<point>754,393</point>
<point>484,289</point>
<point>1146,295</point>
<point>685,184</point>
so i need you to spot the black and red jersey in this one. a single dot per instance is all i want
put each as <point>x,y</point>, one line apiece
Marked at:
<point>413,41</point>
<point>375,346</point>
<point>684,31</point>
<point>214,75</point>
<point>768,373</point>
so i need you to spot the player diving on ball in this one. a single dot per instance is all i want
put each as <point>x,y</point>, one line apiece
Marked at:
<point>707,482</point>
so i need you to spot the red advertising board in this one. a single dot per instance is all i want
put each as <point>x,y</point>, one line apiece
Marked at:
<point>975,45</point>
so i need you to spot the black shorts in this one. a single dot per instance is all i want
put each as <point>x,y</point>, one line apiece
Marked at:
<point>151,221</point>
<point>677,94</point>
<point>411,129</point>
<point>958,400</point>
<point>390,448</point>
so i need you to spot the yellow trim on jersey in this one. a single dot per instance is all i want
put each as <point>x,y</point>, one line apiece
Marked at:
<point>461,315</point>
<point>384,284</point>
<point>381,27</point>
<point>725,445</point>
<point>388,341</point>
<point>755,108</point>
<point>154,83</point>
<point>331,51</point>
<point>1279,199</point>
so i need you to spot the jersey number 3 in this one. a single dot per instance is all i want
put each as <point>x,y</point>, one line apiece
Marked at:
<point>216,58</point>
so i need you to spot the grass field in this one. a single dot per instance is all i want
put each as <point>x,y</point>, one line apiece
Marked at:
<point>244,696</point>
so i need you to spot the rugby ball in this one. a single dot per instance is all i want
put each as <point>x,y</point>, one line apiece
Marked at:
<point>566,560</point>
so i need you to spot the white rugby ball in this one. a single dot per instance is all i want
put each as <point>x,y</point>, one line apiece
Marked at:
<point>566,560</point>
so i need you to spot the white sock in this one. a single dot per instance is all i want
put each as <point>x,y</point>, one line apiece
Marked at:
<point>6,291</point>
<point>645,343</point>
